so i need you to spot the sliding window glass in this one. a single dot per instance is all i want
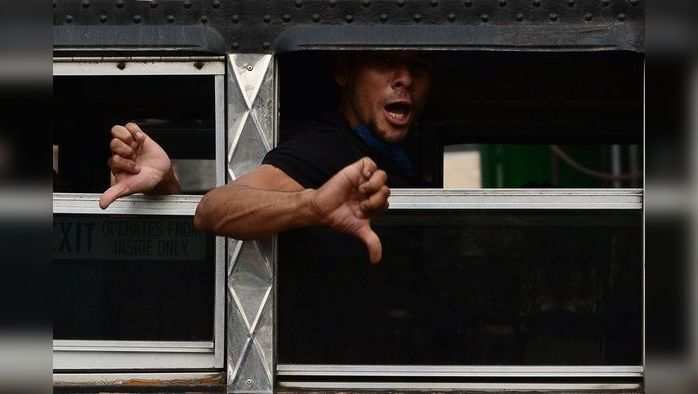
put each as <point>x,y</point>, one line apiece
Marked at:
<point>523,255</point>
<point>135,286</point>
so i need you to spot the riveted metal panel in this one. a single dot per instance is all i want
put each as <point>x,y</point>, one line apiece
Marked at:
<point>253,26</point>
<point>250,273</point>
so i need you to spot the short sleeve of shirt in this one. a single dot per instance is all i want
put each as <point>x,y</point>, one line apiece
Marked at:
<point>313,157</point>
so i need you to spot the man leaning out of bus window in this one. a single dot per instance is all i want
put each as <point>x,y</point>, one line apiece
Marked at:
<point>336,172</point>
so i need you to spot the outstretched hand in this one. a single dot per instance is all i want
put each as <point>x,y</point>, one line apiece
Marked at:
<point>138,165</point>
<point>349,199</point>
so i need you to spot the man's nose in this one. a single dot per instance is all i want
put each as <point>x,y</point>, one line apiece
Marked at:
<point>402,76</point>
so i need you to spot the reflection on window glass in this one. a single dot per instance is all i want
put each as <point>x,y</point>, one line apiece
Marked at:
<point>131,278</point>
<point>181,120</point>
<point>467,288</point>
<point>462,166</point>
<point>548,166</point>
<point>195,175</point>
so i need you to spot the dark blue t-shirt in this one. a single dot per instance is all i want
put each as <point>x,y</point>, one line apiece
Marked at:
<point>318,266</point>
<point>317,150</point>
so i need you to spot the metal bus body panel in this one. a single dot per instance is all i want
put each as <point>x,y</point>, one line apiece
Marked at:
<point>251,26</point>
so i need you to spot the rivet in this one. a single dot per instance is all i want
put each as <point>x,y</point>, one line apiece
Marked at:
<point>333,3</point>
<point>519,17</point>
<point>170,18</point>
<point>468,3</point>
<point>204,19</point>
<point>286,17</point>
<point>85,3</point>
<point>570,3</point>
<point>102,18</point>
<point>621,17</point>
<point>384,17</point>
<point>536,3</point>
<point>121,65</point>
<point>349,18</point>
<point>187,3</point>
<point>605,3</point>
<point>136,19</point>
<point>316,17</point>
<point>299,3</point>
<point>451,17</point>
<point>119,3</point>
<point>266,45</point>
<point>235,18</point>
<point>236,45</point>
<point>553,17</point>
<point>267,18</point>
<point>400,3</point>
<point>434,3</point>
<point>249,382</point>
<point>154,4</point>
<point>502,3</point>
<point>417,17</point>
<point>248,67</point>
<point>485,17</point>
<point>68,19</point>
<point>199,65</point>
<point>366,3</point>
<point>588,16</point>
<point>216,3</point>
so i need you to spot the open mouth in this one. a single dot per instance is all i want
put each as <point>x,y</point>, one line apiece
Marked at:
<point>398,113</point>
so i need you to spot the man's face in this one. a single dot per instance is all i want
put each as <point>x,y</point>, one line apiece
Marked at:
<point>385,91</point>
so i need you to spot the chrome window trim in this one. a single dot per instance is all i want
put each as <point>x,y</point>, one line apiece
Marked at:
<point>219,304</point>
<point>467,386</point>
<point>220,269</point>
<point>79,354</point>
<point>131,66</point>
<point>105,360</point>
<point>460,370</point>
<point>220,107</point>
<point>133,346</point>
<point>644,215</point>
<point>137,204</point>
<point>516,199</point>
<point>400,199</point>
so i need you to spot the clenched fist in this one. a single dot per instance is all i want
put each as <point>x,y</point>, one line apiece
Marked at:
<point>138,165</point>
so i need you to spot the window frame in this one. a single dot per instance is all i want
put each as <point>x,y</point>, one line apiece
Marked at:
<point>76,355</point>
<point>489,199</point>
<point>330,376</point>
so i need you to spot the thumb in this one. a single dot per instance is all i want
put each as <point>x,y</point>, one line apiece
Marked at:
<point>373,244</point>
<point>114,192</point>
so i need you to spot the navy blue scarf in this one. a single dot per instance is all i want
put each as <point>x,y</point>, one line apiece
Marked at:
<point>394,152</point>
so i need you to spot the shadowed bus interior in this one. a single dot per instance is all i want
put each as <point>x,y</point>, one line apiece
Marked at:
<point>506,119</point>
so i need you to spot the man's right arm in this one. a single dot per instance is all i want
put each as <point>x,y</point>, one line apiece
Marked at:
<point>258,204</point>
<point>266,201</point>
